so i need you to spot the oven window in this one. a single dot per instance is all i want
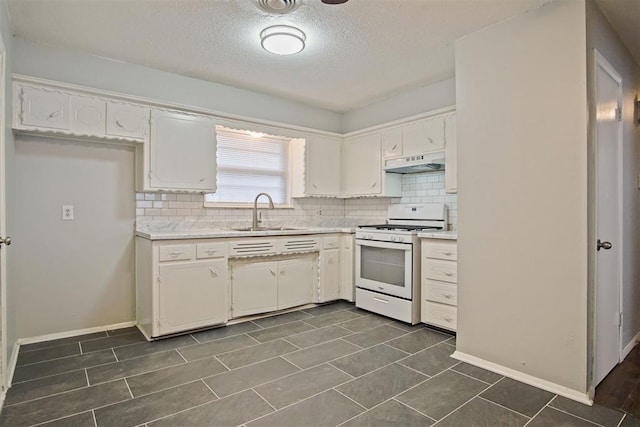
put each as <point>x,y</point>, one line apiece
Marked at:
<point>383,265</point>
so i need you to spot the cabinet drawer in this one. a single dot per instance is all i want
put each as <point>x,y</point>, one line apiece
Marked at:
<point>332,242</point>
<point>177,252</point>
<point>444,316</point>
<point>446,271</point>
<point>445,250</point>
<point>446,293</point>
<point>212,250</point>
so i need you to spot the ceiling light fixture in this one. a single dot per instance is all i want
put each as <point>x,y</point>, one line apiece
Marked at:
<point>282,39</point>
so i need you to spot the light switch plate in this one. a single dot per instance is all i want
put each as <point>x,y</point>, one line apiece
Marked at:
<point>67,212</point>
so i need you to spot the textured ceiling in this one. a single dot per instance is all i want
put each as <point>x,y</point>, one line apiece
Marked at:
<point>357,53</point>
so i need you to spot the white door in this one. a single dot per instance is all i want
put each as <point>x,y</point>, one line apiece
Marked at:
<point>4,240</point>
<point>254,288</point>
<point>296,278</point>
<point>608,91</point>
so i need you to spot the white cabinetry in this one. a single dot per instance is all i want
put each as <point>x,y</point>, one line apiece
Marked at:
<point>392,142</point>
<point>423,136</point>
<point>260,286</point>
<point>362,168</point>
<point>439,283</point>
<point>87,116</point>
<point>330,268</point>
<point>323,162</point>
<point>42,108</point>
<point>347,259</point>
<point>180,286</point>
<point>181,155</point>
<point>127,120</point>
<point>450,154</point>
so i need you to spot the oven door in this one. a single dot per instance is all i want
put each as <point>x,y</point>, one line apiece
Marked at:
<point>385,267</point>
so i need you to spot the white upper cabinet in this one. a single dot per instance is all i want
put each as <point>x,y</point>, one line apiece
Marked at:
<point>87,116</point>
<point>42,108</point>
<point>323,164</point>
<point>182,153</point>
<point>423,136</point>
<point>362,169</point>
<point>450,155</point>
<point>392,142</point>
<point>127,120</point>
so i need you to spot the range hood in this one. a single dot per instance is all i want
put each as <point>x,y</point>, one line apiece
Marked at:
<point>431,162</point>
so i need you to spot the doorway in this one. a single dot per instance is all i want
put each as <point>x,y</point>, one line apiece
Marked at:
<point>608,260</point>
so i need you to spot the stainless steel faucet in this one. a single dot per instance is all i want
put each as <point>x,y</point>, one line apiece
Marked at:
<point>255,208</point>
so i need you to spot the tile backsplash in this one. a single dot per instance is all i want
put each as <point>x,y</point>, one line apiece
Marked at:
<point>312,211</point>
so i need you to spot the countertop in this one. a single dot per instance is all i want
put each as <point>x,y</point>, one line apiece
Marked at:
<point>445,235</point>
<point>222,233</point>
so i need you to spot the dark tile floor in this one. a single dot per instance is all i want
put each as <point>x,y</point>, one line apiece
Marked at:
<point>325,366</point>
<point>621,388</point>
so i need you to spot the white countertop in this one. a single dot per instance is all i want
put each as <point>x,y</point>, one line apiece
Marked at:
<point>222,233</point>
<point>445,235</point>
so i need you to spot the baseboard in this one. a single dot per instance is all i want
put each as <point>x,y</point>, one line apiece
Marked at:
<point>525,378</point>
<point>627,349</point>
<point>11,368</point>
<point>49,337</point>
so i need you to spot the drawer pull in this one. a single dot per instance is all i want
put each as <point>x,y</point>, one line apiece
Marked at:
<point>448,296</point>
<point>175,254</point>
<point>53,115</point>
<point>213,271</point>
<point>447,319</point>
<point>273,273</point>
<point>448,274</point>
<point>282,272</point>
<point>448,253</point>
<point>394,147</point>
<point>381,300</point>
<point>119,124</point>
<point>210,251</point>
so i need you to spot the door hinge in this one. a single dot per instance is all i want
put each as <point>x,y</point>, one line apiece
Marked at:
<point>158,279</point>
<point>620,319</point>
<point>619,114</point>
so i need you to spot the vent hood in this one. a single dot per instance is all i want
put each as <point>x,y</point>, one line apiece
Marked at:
<point>431,162</point>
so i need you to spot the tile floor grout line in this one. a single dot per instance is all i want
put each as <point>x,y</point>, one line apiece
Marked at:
<point>59,418</point>
<point>472,377</point>
<point>537,413</point>
<point>180,411</point>
<point>265,400</point>
<point>59,373</point>
<point>195,339</point>
<point>183,358</point>
<point>254,339</point>
<point>44,397</point>
<point>289,342</point>
<point>223,364</point>
<point>411,407</point>
<point>57,345</point>
<point>357,403</point>
<point>114,354</point>
<point>576,416</point>
<point>624,415</point>
<point>80,347</point>
<point>129,388</point>
<point>95,421</point>
<point>412,369</point>
<point>86,375</point>
<point>51,360</point>
<point>502,406</point>
<point>207,385</point>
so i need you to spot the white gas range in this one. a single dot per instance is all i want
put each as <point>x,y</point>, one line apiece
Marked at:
<point>388,260</point>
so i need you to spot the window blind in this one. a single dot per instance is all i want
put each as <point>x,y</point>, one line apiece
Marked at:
<point>250,163</point>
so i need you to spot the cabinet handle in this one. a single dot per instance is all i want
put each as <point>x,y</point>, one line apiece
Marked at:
<point>374,185</point>
<point>54,114</point>
<point>314,186</point>
<point>430,140</point>
<point>175,254</point>
<point>394,147</point>
<point>202,179</point>
<point>282,272</point>
<point>384,301</point>
<point>210,252</point>
<point>447,319</point>
<point>213,271</point>
<point>448,253</point>
<point>119,124</point>
<point>273,273</point>
<point>448,274</point>
<point>448,296</point>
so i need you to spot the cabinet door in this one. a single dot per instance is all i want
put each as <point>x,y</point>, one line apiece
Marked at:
<point>88,116</point>
<point>45,109</point>
<point>182,152</point>
<point>450,155</point>
<point>254,288</point>
<point>347,281</point>
<point>362,165</point>
<point>323,160</point>
<point>423,136</point>
<point>192,295</point>
<point>127,120</point>
<point>392,142</point>
<point>296,279</point>
<point>329,275</point>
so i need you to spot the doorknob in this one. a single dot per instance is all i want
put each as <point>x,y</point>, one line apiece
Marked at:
<point>5,241</point>
<point>604,245</point>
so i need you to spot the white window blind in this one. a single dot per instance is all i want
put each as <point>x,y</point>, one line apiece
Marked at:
<point>250,163</point>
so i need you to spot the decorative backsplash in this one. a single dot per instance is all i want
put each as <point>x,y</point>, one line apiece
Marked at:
<point>311,211</point>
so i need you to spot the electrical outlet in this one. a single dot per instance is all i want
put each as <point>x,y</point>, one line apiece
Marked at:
<point>67,212</point>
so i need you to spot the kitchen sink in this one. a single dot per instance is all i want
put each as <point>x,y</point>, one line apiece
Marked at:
<point>264,229</point>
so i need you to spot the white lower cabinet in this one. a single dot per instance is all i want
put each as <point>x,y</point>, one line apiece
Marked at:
<point>329,275</point>
<point>192,295</point>
<point>347,259</point>
<point>439,275</point>
<point>276,284</point>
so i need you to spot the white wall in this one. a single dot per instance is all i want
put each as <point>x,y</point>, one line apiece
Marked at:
<point>408,103</point>
<point>601,36</point>
<point>79,68</point>
<point>522,208</point>
<point>72,274</point>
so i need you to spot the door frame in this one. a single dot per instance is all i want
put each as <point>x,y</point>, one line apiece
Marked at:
<point>4,374</point>
<point>601,62</point>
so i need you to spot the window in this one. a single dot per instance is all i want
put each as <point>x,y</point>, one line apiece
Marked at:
<point>250,163</point>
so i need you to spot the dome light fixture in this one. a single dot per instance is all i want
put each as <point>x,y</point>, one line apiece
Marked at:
<point>282,39</point>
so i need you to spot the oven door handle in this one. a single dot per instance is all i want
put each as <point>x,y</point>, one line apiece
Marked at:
<point>384,245</point>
